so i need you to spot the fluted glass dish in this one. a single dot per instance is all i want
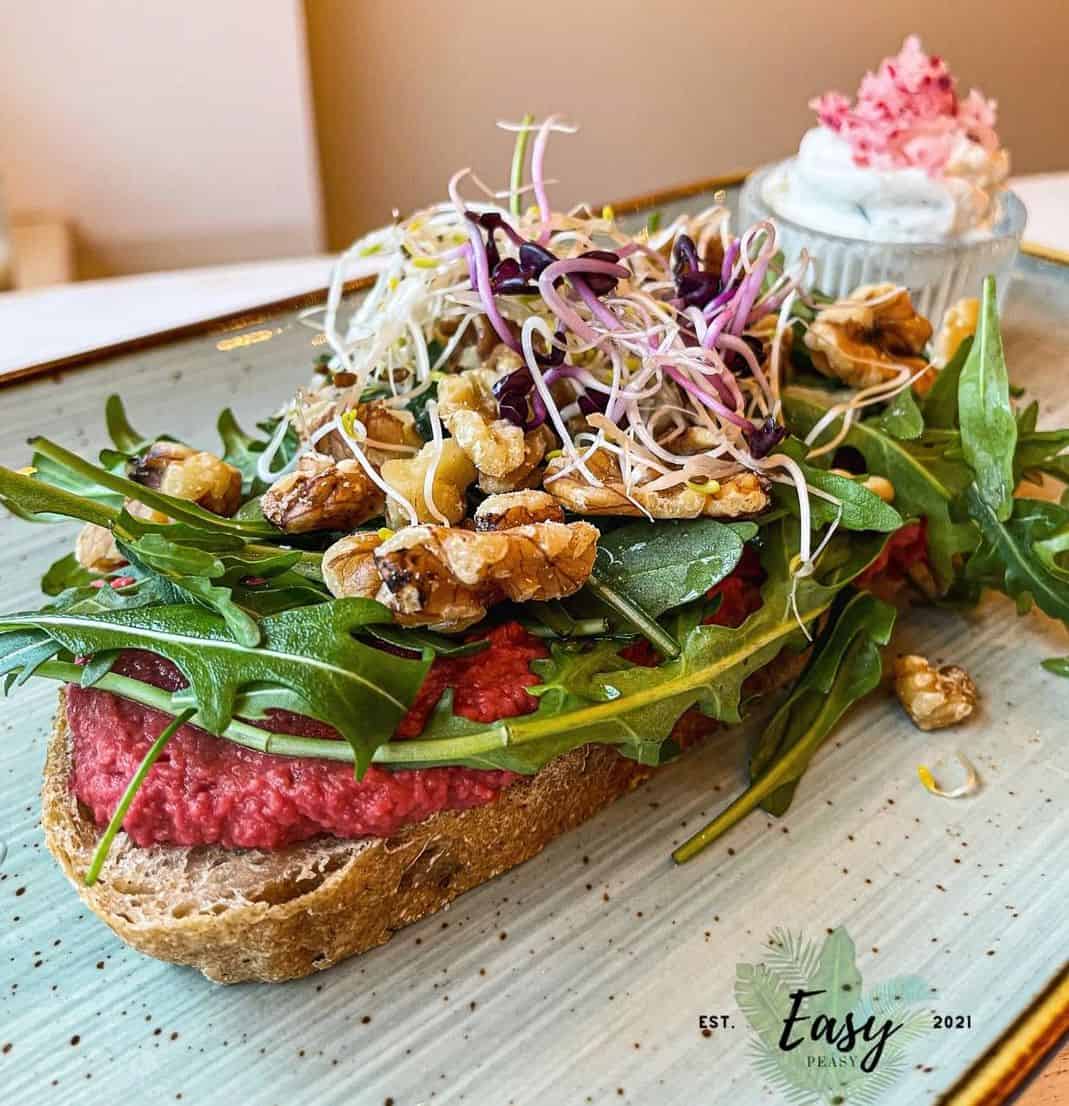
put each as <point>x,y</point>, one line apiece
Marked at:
<point>936,273</point>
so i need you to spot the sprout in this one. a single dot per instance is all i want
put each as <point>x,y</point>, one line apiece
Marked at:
<point>615,342</point>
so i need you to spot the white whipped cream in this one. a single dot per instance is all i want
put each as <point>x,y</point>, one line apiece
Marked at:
<point>823,189</point>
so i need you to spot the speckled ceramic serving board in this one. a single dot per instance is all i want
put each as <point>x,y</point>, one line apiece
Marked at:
<point>584,975</point>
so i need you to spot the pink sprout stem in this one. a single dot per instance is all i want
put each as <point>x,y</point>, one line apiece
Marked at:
<point>557,304</point>
<point>704,397</point>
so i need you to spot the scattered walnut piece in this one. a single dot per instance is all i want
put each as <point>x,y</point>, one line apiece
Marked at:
<point>505,455</point>
<point>959,323</point>
<point>96,551</point>
<point>95,548</point>
<point>868,337</point>
<point>195,475</point>
<point>500,512</point>
<point>387,432</point>
<point>536,444</point>
<point>469,410</point>
<point>447,578</point>
<point>322,494</point>
<point>453,476</point>
<point>933,698</point>
<point>349,568</point>
<point>741,495</point>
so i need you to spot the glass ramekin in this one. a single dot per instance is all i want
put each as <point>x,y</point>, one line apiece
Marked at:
<point>936,273</point>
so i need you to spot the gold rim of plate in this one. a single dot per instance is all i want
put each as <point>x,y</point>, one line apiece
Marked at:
<point>1008,1062</point>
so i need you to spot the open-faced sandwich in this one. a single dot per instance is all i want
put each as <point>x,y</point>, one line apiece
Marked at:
<point>561,499</point>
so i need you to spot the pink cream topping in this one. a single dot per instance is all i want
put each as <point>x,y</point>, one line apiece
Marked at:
<point>908,114</point>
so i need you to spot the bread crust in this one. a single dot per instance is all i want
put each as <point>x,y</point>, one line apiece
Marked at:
<point>271,915</point>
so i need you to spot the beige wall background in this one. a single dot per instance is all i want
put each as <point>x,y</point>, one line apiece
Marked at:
<point>184,134</point>
<point>168,134</point>
<point>407,91</point>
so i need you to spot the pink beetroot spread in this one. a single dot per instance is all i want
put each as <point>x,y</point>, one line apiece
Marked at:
<point>204,790</point>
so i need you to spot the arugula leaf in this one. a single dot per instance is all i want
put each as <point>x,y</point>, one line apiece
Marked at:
<point>988,427</point>
<point>828,687</point>
<point>98,666</point>
<point>569,673</point>
<point>861,509</point>
<point>663,565</point>
<point>310,663</point>
<point>65,573</point>
<point>1058,665</point>
<point>1039,452</point>
<point>1012,557</point>
<point>100,854</point>
<point>23,651</point>
<point>206,566</point>
<point>311,652</point>
<point>123,436</point>
<point>192,571</point>
<point>902,417</point>
<point>925,480</point>
<point>36,501</point>
<point>417,406</point>
<point>635,708</point>
<point>417,639</point>
<point>145,591</point>
<point>608,598</point>
<point>844,668</point>
<point>940,405</point>
<point>857,507</point>
<point>243,451</point>
<point>59,468</point>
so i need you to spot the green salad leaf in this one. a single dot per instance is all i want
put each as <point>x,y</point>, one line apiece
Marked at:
<point>925,480</point>
<point>310,661</point>
<point>902,418</point>
<point>243,450</point>
<point>35,500</point>
<point>855,507</point>
<point>1020,556</point>
<point>65,573</point>
<point>60,469</point>
<point>361,691</point>
<point>100,853</point>
<point>940,405</point>
<point>988,426</point>
<point>123,436</point>
<point>844,668</point>
<point>1040,452</point>
<point>418,639</point>
<point>210,567</point>
<point>600,698</point>
<point>193,573</point>
<point>22,652</point>
<point>1058,665</point>
<point>663,565</point>
<point>143,591</point>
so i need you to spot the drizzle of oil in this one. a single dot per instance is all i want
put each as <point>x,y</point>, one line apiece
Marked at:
<point>242,340</point>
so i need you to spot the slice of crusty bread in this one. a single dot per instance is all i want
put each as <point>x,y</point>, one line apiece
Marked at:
<point>273,915</point>
<point>280,914</point>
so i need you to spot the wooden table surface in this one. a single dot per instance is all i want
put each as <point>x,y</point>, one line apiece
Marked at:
<point>1049,1086</point>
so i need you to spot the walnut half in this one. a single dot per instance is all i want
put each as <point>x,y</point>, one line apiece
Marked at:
<point>195,475</point>
<point>322,494</point>
<point>447,578</point>
<point>933,698</point>
<point>742,495</point>
<point>869,336</point>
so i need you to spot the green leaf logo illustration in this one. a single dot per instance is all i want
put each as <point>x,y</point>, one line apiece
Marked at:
<point>818,1038</point>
